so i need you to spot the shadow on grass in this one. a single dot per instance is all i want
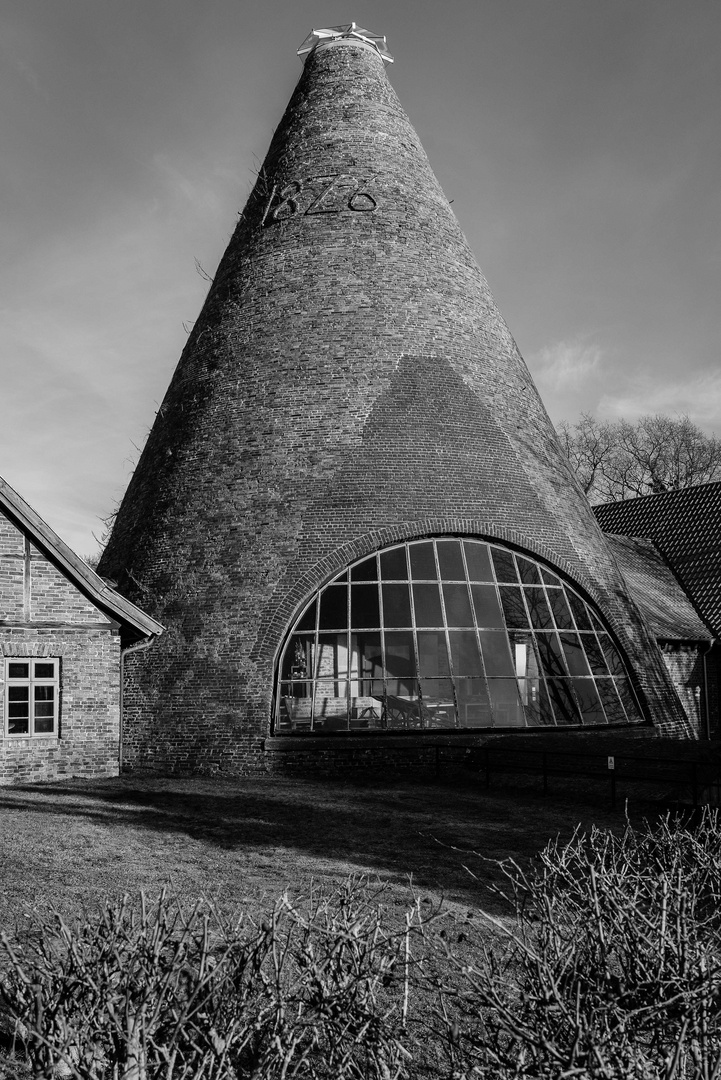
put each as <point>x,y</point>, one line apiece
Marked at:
<point>400,830</point>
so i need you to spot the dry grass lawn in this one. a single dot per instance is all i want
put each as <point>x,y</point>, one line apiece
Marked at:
<point>70,845</point>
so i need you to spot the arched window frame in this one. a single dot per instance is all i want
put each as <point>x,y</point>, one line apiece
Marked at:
<point>542,655</point>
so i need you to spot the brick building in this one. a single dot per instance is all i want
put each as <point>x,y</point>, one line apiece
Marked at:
<point>352,514</point>
<point>63,634</point>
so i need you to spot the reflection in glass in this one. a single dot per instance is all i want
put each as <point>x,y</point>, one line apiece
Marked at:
<point>416,651</point>
<point>504,566</point>
<point>564,703</point>
<point>514,608</point>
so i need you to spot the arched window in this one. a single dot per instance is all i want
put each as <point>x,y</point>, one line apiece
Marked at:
<point>449,633</point>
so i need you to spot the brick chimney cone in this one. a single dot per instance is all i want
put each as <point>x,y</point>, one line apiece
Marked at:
<point>349,383</point>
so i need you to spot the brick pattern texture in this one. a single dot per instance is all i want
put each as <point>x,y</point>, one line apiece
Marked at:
<point>349,381</point>
<point>42,614</point>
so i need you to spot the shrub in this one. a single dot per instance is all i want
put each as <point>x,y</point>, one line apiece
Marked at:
<point>612,968</point>
<point>163,993</point>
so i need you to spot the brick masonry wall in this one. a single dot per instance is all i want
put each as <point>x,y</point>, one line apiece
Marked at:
<point>350,381</point>
<point>42,614</point>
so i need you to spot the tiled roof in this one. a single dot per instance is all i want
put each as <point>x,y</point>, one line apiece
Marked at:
<point>665,606</point>
<point>22,515</point>
<point>686,527</point>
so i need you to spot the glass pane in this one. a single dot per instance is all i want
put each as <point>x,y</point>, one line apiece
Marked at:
<point>528,571</point>
<point>18,709</point>
<point>396,605</point>
<point>458,605</point>
<point>587,698</point>
<point>334,608</point>
<point>43,709</point>
<point>575,656</point>
<point>294,706</point>
<point>366,661</point>
<point>538,608</point>
<point>612,658</point>
<point>44,726</point>
<point>393,564</point>
<point>18,725</point>
<point>364,607</point>
<point>18,671</point>
<point>504,566</point>
<point>330,706</point>
<point>474,706</point>
<point>366,708</point>
<point>307,620</point>
<point>514,609</point>
<point>559,607</point>
<point>487,605</point>
<point>548,577</point>
<point>400,656</point>
<point>423,563</point>
<point>563,701</point>
<point>505,702</point>
<point>628,699</point>
<point>464,653</point>
<point>478,561</point>
<point>534,697</point>
<point>439,708</point>
<point>365,571</point>
<point>550,653</point>
<point>580,613</point>
<point>450,560</point>
<point>402,707</point>
<point>615,713</point>
<point>18,693</point>
<point>594,654</point>
<point>427,603</point>
<point>432,653</point>
<point>44,670</point>
<point>331,656</point>
<point>45,694</point>
<point>496,653</point>
<point>297,662</point>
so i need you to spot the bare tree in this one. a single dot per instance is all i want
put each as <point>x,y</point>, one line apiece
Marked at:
<point>623,460</point>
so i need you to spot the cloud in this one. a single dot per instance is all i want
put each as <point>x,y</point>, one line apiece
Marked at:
<point>698,397</point>
<point>567,363</point>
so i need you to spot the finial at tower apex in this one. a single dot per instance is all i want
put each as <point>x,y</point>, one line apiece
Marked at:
<point>349,32</point>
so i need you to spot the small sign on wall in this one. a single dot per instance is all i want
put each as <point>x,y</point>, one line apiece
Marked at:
<point>612,763</point>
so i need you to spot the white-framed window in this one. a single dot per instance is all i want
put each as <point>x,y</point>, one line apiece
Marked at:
<point>31,695</point>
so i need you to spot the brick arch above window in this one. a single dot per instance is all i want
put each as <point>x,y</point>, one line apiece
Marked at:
<point>449,631</point>
<point>285,604</point>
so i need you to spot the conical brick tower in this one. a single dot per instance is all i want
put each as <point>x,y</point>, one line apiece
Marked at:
<point>351,386</point>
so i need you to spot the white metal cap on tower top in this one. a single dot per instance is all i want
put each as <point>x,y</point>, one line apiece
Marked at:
<point>332,35</point>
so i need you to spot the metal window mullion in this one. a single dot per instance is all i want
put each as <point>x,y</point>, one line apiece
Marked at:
<point>316,660</point>
<point>414,631</point>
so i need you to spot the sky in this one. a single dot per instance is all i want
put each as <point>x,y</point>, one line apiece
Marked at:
<point>579,141</point>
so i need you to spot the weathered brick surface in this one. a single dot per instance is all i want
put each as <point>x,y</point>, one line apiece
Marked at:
<point>349,382</point>
<point>42,614</point>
